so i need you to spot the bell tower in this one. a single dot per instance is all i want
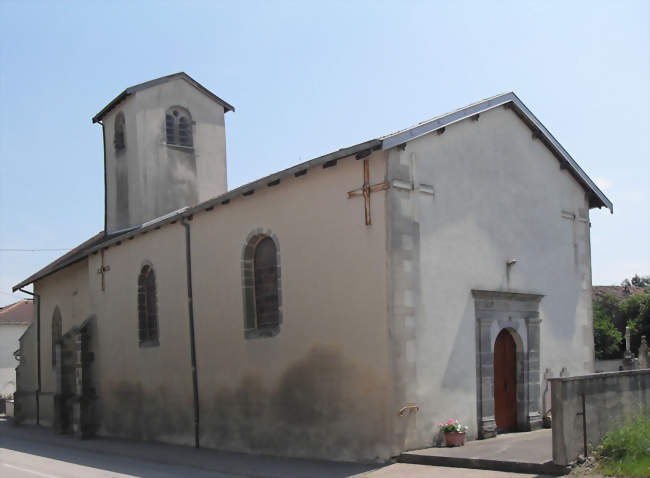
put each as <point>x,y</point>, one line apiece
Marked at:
<point>164,149</point>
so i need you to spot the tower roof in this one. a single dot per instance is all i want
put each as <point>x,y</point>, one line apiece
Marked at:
<point>148,84</point>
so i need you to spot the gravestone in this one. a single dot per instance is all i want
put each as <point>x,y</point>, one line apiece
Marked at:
<point>643,353</point>
<point>628,357</point>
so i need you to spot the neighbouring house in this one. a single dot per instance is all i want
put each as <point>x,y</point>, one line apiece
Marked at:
<point>338,309</point>
<point>618,291</point>
<point>14,320</point>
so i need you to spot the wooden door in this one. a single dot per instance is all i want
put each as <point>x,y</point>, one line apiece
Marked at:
<point>505,382</point>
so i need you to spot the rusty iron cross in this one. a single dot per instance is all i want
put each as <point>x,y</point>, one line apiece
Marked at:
<point>366,189</point>
<point>103,269</point>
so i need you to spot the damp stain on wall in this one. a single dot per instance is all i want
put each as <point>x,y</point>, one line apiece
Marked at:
<point>131,412</point>
<point>323,405</point>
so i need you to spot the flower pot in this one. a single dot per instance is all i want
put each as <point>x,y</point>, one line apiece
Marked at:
<point>454,438</point>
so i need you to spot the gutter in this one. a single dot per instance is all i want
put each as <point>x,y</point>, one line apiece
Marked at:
<point>38,352</point>
<point>190,306</point>
<point>116,237</point>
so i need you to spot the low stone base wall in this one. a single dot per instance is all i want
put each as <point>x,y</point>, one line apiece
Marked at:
<point>609,398</point>
<point>25,407</point>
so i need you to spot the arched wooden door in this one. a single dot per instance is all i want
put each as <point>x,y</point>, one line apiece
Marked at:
<point>505,382</point>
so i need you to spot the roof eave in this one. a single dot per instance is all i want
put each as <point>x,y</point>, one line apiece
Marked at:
<point>148,84</point>
<point>90,246</point>
<point>597,197</point>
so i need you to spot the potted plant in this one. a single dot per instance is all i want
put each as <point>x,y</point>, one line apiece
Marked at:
<point>454,432</point>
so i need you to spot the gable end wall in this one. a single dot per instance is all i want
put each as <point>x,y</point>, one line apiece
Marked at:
<point>498,194</point>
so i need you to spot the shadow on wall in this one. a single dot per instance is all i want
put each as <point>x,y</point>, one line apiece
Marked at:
<point>323,405</point>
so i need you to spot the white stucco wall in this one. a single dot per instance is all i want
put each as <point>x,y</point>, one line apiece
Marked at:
<point>9,335</point>
<point>320,388</point>
<point>163,178</point>
<point>499,195</point>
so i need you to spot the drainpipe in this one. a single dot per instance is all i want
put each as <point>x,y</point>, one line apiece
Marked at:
<point>38,352</point>
<point>190,307</point>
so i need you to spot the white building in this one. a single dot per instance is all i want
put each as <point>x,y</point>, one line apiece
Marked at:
<point>14,320</point>
<point>340,308</point>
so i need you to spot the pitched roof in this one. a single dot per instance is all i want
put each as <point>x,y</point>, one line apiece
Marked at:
<point>102,240</point>
<point>18,313</point>
<point>148,84</point>
<point>596,197</point>
<point>65,260</point>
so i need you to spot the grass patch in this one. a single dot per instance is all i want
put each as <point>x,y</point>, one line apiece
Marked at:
<point>625,450</point>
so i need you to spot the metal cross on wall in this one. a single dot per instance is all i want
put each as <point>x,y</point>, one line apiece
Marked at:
<point>103,269</point>
<point>366,189</point>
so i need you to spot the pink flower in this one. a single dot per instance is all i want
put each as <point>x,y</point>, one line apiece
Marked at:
<point>440,424</point>
<point>450,422</point>
<point>456,422</point>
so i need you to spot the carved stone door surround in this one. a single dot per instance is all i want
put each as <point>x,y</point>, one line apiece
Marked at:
<point>519,314</point>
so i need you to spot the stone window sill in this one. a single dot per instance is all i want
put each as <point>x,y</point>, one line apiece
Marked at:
<point>178,147</point>
<point>262,333</point>
<point>150,343</point>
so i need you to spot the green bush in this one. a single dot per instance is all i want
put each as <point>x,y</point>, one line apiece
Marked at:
<point>625,450</point>
<point>611,315</point>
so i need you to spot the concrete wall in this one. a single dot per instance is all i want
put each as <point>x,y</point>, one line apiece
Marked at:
<point>9,335</point>
<point>317,389</point>
<point>156,178</point>
<point>610,365</point>
<point>499,194</point>
<point>609,398</point>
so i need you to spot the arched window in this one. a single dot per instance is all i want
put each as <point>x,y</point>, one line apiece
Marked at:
<point>57,327</point>
<point>178,127</point>
<point>119,138</point>
<point>262,288</point>
<point>147,307</point>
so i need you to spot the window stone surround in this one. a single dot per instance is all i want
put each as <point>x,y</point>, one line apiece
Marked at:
<point>251,331</point>
<point>519,314</point>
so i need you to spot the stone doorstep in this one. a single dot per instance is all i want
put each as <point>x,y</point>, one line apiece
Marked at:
<point>523,452</point>
<point>548,468</point>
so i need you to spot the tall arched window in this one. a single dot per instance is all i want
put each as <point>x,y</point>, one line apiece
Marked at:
<point>57,327</point>
<point>262,287</point>
<point>178,127</point>
<point>119,138</point>
<point>147,306</point>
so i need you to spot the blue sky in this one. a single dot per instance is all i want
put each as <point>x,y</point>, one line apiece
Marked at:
<point>308,78</point>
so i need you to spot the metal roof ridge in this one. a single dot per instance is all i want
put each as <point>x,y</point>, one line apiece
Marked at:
<point>421,129</point>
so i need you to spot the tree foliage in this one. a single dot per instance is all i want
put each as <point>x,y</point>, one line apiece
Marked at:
<point>607,337</point>
<point>612,315</point>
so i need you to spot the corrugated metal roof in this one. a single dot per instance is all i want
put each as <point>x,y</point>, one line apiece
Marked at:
<point>148,84</point>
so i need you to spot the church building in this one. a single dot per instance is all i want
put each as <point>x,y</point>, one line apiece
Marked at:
<point>338,309</point>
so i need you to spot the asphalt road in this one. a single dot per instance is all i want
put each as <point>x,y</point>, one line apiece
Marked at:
<point>30,452</point>
<point>24,459</point>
